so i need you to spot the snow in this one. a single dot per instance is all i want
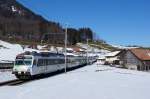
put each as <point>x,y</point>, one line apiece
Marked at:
<point>6,76</point>
<point>122,47</point>
<point>93,51</point>
<point>112,53</point>
<point>90,82</point>
<point>30,50</point>
<point>13,8</point>
<point>101,57</point>
<point>9,51</point>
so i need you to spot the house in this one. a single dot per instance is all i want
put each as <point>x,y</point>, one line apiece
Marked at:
<point>101,60</point>
<point>112,58</point>
<point>136,59</point>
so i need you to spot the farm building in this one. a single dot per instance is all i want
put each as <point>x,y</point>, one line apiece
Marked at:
<point>112,58</point>
<point>101,60</point>
<point>136,59</point>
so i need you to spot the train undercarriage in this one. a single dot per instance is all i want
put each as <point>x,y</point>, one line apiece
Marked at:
<point>23,75</point>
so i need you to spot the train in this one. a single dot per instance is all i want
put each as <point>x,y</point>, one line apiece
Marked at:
<point>30,64</point>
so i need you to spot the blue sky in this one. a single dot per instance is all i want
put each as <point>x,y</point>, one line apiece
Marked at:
<point>122,22</point>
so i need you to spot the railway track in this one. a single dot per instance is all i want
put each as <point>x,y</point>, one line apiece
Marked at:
<point>20,82</point>
<point>12,82</point>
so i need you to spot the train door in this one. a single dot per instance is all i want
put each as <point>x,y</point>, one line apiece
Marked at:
<point>35,67</point>
<point>40,66</point>
<point>45,69</point>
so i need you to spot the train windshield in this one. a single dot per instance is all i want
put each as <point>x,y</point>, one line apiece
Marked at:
<point>23,62</point>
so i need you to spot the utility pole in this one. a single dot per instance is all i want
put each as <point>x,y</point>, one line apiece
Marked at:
<point>41,42</point>
<point>87,51</point>
<point>66,48</point>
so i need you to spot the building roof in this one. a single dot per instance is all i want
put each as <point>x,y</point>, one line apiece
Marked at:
<point>112,54</point>
<point>101,57</point>
<point>78,49</point>
<point>5,61</point>
<point>142,54</point>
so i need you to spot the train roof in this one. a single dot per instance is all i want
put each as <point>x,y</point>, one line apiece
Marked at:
<point>44,54</point>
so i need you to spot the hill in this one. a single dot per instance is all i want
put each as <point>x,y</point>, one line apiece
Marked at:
<point>20,25</point>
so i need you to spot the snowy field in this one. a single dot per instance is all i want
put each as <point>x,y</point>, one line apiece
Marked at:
<point>90,82</point>
<point>5,76</point>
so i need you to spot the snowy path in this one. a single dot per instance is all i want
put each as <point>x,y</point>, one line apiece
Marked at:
<point>90,82</point>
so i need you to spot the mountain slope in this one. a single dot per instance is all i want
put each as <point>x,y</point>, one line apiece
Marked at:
<point>19,23</point>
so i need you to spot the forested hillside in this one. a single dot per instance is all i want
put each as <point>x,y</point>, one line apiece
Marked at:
<point>18,23</point>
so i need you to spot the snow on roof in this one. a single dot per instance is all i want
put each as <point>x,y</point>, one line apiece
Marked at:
<point>6,44</point>
<point>101,57</point>
<point>39,46</point>
<point>5,61</point>
<point>31,50</point>
<point>84,46</point>
<point>70,49</point>
<point>71,54</point>
<point>82,50</point>
<point>112,53</point>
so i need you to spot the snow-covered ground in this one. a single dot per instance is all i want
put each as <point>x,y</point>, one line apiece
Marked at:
<point>6,76</point>
<point>9,51</point>
<point>122,47</point>
<point>93,51</point>
<point>90,82</point>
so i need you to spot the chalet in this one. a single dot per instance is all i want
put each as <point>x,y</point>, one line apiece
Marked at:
<point>112,58</point>
<point>101,60</point>
<point>136,59</point>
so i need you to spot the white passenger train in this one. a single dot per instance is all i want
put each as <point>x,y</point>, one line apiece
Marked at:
<point>30,64</point>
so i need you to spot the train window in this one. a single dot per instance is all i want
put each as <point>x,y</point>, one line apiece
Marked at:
<point>27,62</point>
<point>48,61</point>
<point>34,62</point>
<point>23,62</point>
<point>40,62</point>
<point>59,61</point>
<point>56,61</point>
<point>44,62</point>
<point>62,61</point>
<point>19,62</point>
